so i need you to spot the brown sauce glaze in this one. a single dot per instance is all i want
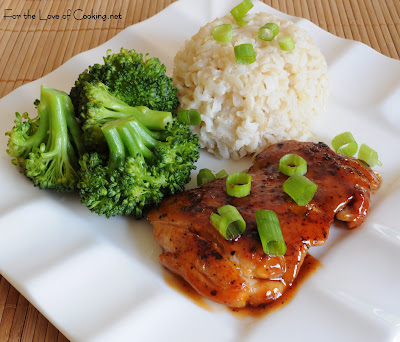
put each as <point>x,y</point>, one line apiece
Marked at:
<point>180,285</point>
<point>310,265</point>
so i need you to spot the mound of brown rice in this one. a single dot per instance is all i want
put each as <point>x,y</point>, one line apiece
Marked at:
<point>245,108</point>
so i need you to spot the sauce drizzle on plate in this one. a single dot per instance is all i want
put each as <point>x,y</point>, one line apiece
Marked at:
<point>310,265</point>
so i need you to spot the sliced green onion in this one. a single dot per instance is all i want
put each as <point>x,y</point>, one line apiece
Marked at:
<point>221,174</point>
<point>223,33</point>
<point>268,31</point>
<point>286,42</point>
<point>368,155</point>
<point>292,163</point>
<point>189,116</point>
<point>244,54</point>
<point>229,222</point>
<point>238,184</point>
<point>240,11</point>
<point>300,189</point>
<point>345,143</point>
<point>204,176</point>
<point>349,149</point>
<point>270,232</point>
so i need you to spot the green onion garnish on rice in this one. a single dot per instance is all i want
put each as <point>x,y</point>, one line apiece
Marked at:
<point>240,11</point>
<point>268,32</point>
<point>244,54</point>
<point>286,42</point>
<point>223,33</point>
<point>189,116</point>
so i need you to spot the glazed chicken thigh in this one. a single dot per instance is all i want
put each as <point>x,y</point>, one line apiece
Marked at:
<point>238,273</point>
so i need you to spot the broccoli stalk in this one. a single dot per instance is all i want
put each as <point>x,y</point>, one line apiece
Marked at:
<point>142,166</point>
<point>45,147</point>
<point>102,107</point>
<point>131,135</point>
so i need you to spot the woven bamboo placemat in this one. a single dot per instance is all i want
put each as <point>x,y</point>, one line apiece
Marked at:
<point>32,47</point>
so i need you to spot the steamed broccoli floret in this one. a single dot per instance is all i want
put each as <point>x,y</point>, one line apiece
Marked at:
<point>131,77</point>
<point>101,107</point>
<point>141,167</point>
<point>47,147</point>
